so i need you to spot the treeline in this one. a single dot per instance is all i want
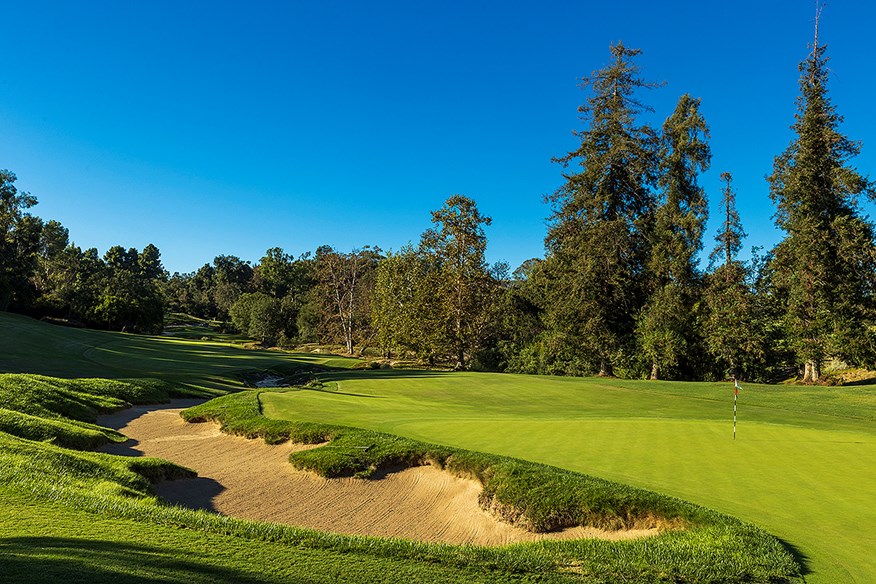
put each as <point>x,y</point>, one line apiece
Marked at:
<point>42,273</point>
<point>619,291</point>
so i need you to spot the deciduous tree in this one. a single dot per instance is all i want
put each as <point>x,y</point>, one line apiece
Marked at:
<point>345,281</point>
<point>457,246</point>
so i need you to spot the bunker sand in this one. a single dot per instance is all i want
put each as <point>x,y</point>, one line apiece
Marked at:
<point>249,479</point>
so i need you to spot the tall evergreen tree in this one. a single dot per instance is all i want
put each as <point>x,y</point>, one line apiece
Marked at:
<point>826,265</point>
<point>667,327</point>
<point>733,327</point>
<point>596,244</point>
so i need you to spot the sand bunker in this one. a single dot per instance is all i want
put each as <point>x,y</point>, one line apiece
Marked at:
<point>253,480</point>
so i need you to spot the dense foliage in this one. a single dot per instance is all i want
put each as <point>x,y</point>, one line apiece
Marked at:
<point>436,300</point>
<point>824,268</point>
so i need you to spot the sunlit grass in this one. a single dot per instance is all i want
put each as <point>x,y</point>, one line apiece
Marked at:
<point>803,465</point>
<point>41,475</point>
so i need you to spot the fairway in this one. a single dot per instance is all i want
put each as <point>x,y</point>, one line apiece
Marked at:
<point>29,346</point>
<point>803,466</point>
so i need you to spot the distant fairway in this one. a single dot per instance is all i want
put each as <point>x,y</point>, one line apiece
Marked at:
<point>803,466</point>
<point>29,346</point>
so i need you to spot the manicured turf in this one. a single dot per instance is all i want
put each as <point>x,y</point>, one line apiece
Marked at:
<point>53,543</point>
<point>62,483</point>
<point>74,516</point>
<point>29,346</point>
<point>803,466</point>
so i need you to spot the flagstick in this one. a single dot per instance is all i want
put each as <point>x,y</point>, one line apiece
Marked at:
<point>735,397</point>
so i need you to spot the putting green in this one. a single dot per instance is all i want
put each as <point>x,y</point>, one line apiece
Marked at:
<point>803,465</point>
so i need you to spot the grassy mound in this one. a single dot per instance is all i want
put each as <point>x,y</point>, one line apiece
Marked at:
<point>62,411</point>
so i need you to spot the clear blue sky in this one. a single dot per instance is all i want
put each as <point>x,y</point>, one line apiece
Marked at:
<point>227,128</point>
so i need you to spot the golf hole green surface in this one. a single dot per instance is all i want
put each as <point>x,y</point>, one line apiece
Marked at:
<point>803,465</point>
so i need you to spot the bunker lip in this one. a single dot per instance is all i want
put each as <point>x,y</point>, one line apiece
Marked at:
<point>249,479</point>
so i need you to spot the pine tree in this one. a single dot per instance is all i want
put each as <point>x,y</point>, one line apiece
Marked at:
<point>667,327</point>
<point>596,244</point>
<point>733,327</point>
<point>826,265</point>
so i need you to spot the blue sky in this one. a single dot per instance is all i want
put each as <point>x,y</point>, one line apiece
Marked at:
<point>227,128</point>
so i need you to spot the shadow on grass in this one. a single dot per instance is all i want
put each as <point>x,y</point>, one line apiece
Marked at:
<point>871,381</point>
<point>340,393</point>
<point>197,493</point>
<point>344,374</point>
<point>53,559</point>
<point>801,558</point>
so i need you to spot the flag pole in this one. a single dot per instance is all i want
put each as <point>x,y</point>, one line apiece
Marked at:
<point>736,389</point>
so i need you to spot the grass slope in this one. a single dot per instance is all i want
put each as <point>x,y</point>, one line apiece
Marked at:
<point>803,466</point>
<point>76,516</point>
<point>30,346</point>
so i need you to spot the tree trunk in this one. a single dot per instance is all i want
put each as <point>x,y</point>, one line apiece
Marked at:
<point>811,372</point>
<point>605,368</point>
<point>655,372</point>
<point>460,359</point>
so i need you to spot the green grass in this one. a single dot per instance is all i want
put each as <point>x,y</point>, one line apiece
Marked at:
<point>29,346</point>
<point>803,466</point>
<point>63,411</point>
<point>75,546</point>
<point>75,516</point>
<point>44,479</point>
<point>710,548</point>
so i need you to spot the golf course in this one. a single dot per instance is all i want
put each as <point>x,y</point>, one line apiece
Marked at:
<point>801,467</point>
